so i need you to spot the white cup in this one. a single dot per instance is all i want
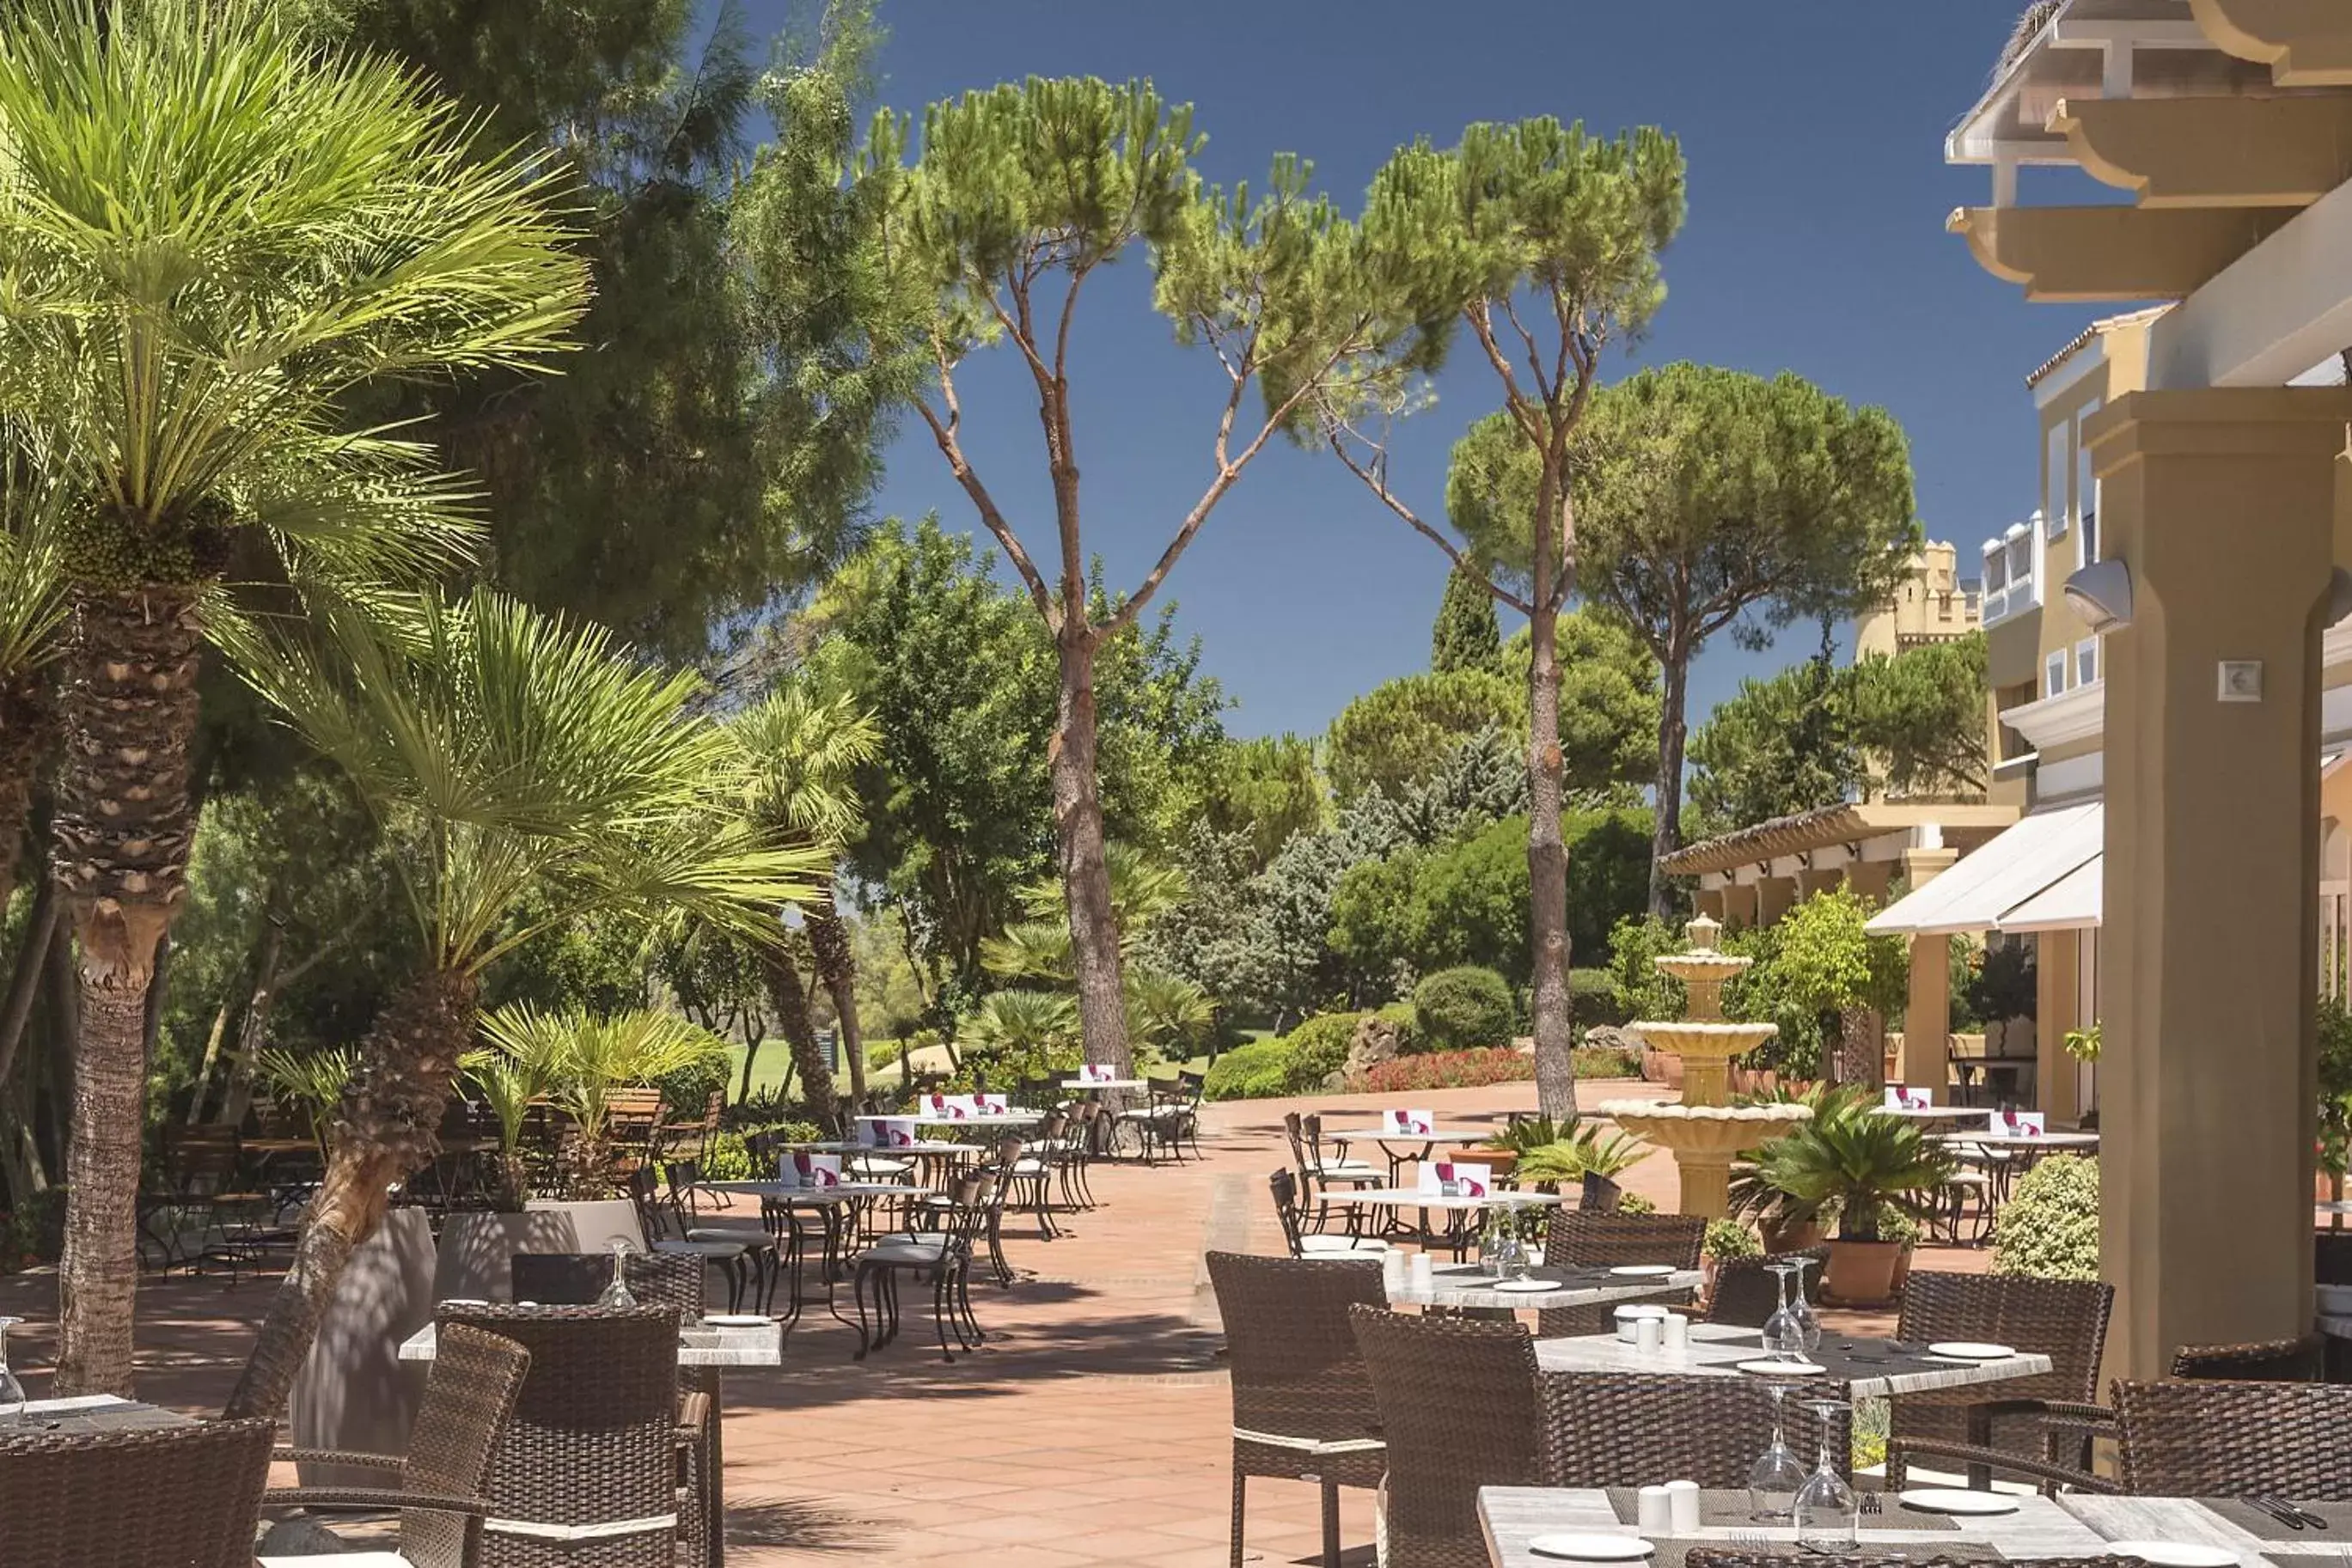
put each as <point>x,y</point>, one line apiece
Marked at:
<point>1654,1511</point>
<point>1394,1271</point>
<point>1649,1335</point>
<point>1681,1507</point>
<point>1677,1333</point>
<point>1424,1271</point>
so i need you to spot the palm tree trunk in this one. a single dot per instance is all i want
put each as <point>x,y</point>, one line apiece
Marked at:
<point>119,851</point>
<point>789,997</point>
<point>829,943</point>
<point>1086,870</point>
<point>389,1127</point>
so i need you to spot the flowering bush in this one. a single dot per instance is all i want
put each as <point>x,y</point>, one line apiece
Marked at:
<point>1448,1070</point>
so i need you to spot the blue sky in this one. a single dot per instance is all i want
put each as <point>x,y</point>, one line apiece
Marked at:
<point>1813,133</point>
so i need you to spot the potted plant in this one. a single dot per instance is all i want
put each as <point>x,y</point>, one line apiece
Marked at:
<point>1728,1240</point>
<point>1503,1151</point>
<point>1863,1167</point>
<point>2084,1045</point>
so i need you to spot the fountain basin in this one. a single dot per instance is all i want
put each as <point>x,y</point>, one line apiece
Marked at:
<point>1689,1039</point>
<point>1704,1141</point>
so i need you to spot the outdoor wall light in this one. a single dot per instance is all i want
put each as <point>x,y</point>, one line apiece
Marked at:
<point>2101,594</point>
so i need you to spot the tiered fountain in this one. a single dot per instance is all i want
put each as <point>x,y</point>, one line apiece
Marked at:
<point>1706,1132</point>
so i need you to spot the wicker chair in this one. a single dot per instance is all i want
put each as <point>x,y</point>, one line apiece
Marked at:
<point>1700,1558</point>
<point>2221,1438</point>
<point>2048,1420</point>
<point>1459,1408</point>
<point>438,1484</point>
<point>1305,1243</point>
<point>577,1279</point>
<point>2264,1360</point>
<point>1600,1240</point>
<point>158,1496</point>
<point>589,1461</point>
<point>1303,1404</point>
<point>1624,1429</point>
<point>1747,1293</point>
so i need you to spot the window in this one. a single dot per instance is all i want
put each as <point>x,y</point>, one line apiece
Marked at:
<point>2087,661</point>
<point>2054,675</point>
<point>2055,470</point>
<point>2087,490</point>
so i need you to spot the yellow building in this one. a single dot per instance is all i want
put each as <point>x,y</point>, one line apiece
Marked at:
<point>1933,603</point>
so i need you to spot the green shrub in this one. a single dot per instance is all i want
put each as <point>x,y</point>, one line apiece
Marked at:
<point>2049,1229</point>
<point>1634,1203</point>
<point>1727,1239</point>
<point>884,1053</point>
<point>1320,1048</point>
<point>34,1232</point>
<point>687,1091</point>
<point>1593,997</point>
<point>1260,1071</point>
<point>1464,1009</point>
<point>1606,1062</point>
<point>725,1158</point>
<point>1407,1027</point>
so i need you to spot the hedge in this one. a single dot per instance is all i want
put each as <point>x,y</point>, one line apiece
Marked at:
<point>1464,1009</point>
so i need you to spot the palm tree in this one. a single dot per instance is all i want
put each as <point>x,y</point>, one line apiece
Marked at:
<point>32,613</point>
<point>581,1058</point>
<point>212,230</point>
<point>800,751</point>
<point>506,753</point>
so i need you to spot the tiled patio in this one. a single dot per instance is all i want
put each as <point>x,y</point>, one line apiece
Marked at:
<point>1092,1430</point>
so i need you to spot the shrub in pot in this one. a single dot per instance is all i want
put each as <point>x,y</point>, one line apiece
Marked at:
<point>2049,1229</point>
<point>1862,1166</point>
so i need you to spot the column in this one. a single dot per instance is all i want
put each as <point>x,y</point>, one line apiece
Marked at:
<point>1926,1060</point>
<point>2057,987</point>
<point>2222,503</point>
<point>1776,894</point>
<point>1709,902</point>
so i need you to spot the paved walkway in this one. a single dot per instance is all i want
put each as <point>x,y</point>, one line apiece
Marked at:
<point>1092,1430</point>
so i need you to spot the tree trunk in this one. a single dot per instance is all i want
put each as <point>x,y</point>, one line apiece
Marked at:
<point>253,1028</point>
<point>1667,833</point>
<point>1548,875</point>
<point>118,849</point>
<point>789,997</point>
<point>27,719</point>
<point>1086,870</point>
<point>389,1127</point>
<point>1861,1049</point>
<point>829,942</point>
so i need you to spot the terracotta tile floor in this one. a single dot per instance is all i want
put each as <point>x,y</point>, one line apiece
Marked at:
<point>1092,1429</point>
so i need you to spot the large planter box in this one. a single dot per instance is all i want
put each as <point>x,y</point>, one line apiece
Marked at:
<point>355,1393</point>
<point>477,1250</point>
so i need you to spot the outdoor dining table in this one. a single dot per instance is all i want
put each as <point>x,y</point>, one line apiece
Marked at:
<point>936,1155</point>
<point>1513,1517</point>
<point>85,1413</point>
<point>1403,1148</point>
<point>1456,1207</point>
<point>1872,1370</point>
<point>1465,1287</point>
<point>704,1349</point>
<point>1080,1085</point>
<point>1934,1113</point>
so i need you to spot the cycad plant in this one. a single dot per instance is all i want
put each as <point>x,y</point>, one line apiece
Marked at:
<point>309,1081</point>
<point>581,1058</point>
<point>1845,1160</point>
<point>799,751</point>
<point>510,1085</point>
<point>507,754</point>
<point>1023,1034</point>
<point>212,230</point>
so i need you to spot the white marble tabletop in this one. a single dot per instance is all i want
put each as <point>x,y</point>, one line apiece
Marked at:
<point>1081,1083</point>
<point>1716,1350</point>
<point>2181,1519</point>
<point>699,1345</point>
<point>2332,1206</point>
<point>994,1119</point>
<point>1513,1516</point>
<point>1468,1285</point>
<point>2022,1140</point>
<point>1413,1197</point>
<point>878,1151</point>
<point>792,1192</point>
<point>1934,1113</point>
<point>1390,1136</point>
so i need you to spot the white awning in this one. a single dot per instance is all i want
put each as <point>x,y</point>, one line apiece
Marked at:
<point>2005,873</point>
<point>2070,904</point>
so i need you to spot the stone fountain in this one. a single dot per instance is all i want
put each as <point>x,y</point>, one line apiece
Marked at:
<point>1706,1132</point>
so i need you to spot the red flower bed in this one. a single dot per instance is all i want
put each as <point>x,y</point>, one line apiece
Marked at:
<point>1448,1070</point>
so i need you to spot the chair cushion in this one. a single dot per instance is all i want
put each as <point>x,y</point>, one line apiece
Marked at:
<point>912,1255</point>
<point>1340,1246</point>
<point>340,1560</point>
<point>690,1247</point>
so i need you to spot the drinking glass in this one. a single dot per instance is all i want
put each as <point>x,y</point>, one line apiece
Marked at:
<point>1784,1333</point>
<point>1774,1477</point>
<point>1809,1325</point>
<point>1825,1506</point>
<point>11,1393</point>
<point>617,1293</point>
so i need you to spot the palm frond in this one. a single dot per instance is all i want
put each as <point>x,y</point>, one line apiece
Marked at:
<point>581,1059</point>
<point>799,750</point>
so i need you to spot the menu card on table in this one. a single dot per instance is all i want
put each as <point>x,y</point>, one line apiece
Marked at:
<point>802,1169</point>
<point>1409,1122</point>
<point>2020,1124</point>
<point>1902,1097</point>
<point>885,1132</point>
<point>954,1107</point>
<point>1453,1178</point>
<point>1095,1072</point>
<point>992,1104</point>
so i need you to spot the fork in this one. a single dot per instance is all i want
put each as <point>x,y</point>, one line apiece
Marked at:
<point>1870,1502</point>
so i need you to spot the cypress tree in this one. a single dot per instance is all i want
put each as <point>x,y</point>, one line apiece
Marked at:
<point>1466,635</point>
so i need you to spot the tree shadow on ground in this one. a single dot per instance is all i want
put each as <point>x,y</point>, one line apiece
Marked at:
<point>802,1526</point>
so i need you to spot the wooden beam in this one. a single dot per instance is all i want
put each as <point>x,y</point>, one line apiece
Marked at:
<point>2306,43</point>
<point>2212,152</point>
<point>2068,254</point>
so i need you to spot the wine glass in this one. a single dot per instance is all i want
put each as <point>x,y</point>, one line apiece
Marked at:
<point>617,1293</point>
<point>11,1393</point>
<point>1825,1506</point>
<point>1784,1333</point>
<point>1809,1325</point>
<point>1774,1477</point>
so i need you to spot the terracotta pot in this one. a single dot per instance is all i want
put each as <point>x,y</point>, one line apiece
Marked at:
<point>1780,1237</point>
<point>1861,1273</point>
<point>1902,1271</point>
<point>1601,1194</point>
<point>1499,1161</point>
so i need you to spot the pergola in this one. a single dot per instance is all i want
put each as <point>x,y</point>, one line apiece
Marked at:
<point>2226,505</point>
